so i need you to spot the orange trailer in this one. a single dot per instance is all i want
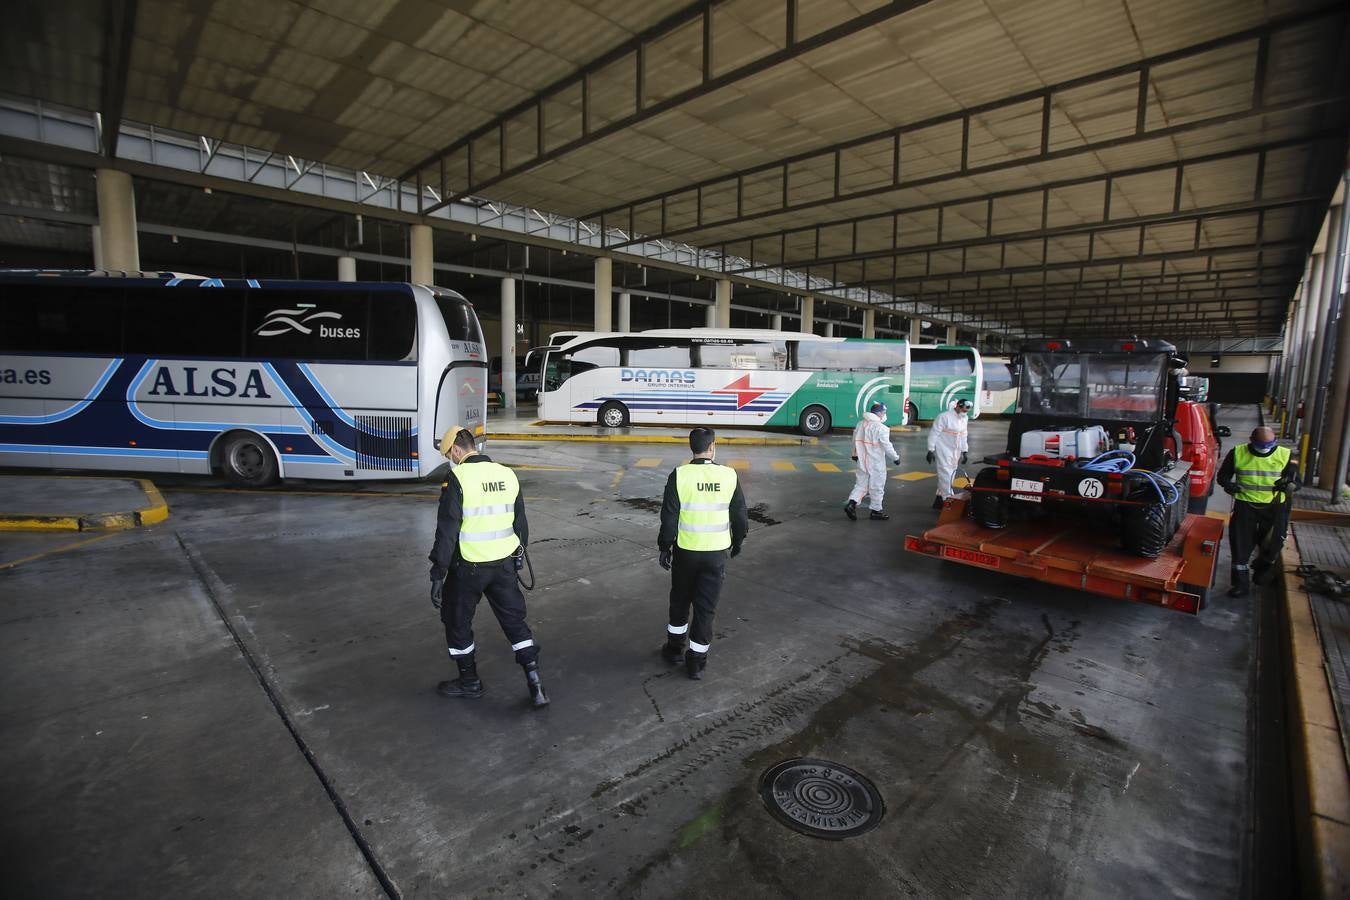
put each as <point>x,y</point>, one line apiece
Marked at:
<point>1077,554</point>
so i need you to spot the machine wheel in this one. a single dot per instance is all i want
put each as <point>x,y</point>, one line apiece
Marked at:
<point>612,414</point>
<point>247,460</point>
<point>814,421</point>
<point>911,413</point>
<point>990,510</point>
<point>1145,530</point>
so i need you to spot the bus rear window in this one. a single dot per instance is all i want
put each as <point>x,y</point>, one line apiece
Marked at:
<point>459,318</point>
<point>941,363</point>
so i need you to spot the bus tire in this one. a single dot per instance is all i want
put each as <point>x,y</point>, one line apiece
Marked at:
<point>814,421</point>
<point>612,414</point>
<point>911,413</point>
<point>247,460</point>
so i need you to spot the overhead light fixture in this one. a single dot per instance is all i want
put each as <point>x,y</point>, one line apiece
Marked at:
<point>175,238</point>
<point>206,190</point>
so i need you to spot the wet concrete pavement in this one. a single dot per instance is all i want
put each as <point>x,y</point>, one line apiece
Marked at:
<point>1027,741</point>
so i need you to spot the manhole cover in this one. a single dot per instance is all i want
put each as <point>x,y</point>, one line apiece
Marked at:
<point>821,798</point>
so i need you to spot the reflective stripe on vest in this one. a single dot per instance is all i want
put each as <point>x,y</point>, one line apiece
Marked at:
<point>487,533</point>
<point>1255,476</point>
<point>705,491</point>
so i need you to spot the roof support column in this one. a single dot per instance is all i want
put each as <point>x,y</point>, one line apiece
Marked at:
<point>419,244</point>
<point>346,268</point>
<point>625,312</point>
<point>508,343</point>
<point>96,237</point>
<point>829,329</point>
<point>1308,318</point>
<point>869,323</point>
<point>724,303</point>
<point>604,294</point>
<point>1331,440</point>
<point>117,220</point>
<point>808,322</point>
<point>777,321</point>
<point>915,330</point>
<point>1326,323</point>
<point>710,316</point>
<point>951,334</point>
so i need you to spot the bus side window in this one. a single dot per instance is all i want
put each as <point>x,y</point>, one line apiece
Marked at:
<point>54,319</point>
<point>307,324</point>
<point>393,327</point>
<point>185,321</point>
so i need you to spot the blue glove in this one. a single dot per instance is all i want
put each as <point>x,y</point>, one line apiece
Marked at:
<point>667,556</point>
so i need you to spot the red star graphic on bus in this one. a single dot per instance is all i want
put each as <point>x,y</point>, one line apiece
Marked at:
<point>745,394</point>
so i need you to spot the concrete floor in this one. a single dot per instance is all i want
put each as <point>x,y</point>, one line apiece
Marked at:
<point>1028,742</point>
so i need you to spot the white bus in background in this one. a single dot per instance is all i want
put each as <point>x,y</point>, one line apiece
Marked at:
<point>707,376</point>
<point>258,380</point>
<point>999,396</point>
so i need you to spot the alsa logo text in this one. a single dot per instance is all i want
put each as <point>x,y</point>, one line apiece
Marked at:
<point>301,320</point>
<point>220,382</point>
<point>658,376</point>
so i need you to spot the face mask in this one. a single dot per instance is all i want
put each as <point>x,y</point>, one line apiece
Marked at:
<point>1262,447</point>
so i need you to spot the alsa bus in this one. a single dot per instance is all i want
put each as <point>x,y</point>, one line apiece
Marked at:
<point>256,379</point>
<point>707,376</point>
<point>940,374</point>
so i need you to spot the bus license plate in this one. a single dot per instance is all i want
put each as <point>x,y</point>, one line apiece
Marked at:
<point>983,559</point>
<point>1027,489</point>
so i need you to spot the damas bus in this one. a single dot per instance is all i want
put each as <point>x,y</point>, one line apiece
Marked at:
<point>940,375</point>
<point>256,379</point>
<point>705,376</point>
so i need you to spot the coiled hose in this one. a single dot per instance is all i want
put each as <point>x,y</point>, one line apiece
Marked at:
<point>1120,462</point>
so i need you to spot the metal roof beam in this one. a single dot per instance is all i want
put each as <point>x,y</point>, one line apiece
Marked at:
<point>119,28</point>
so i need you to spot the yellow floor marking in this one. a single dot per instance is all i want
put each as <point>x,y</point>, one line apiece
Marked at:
<point>648,462</point>
<point>826,467</point>
<point>1222,516</point>
<point>61,549</point>
<point>783,466</point>
<point>541,468</point>
<point>915,476</point>
<point>959,482</point>
<point>741,464</point>
<point>618,476</point>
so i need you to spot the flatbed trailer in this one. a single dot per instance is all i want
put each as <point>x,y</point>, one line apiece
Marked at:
<point>1074,553</point>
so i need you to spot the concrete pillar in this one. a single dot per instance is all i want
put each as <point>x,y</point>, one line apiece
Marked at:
<point>710,316</point>
<point>808,320</point>
<point>777,321</point>
<point>117,220</point>
<point>96,236</point>
<point>1337,431</point>
<point>604,294</point>
<point>625,312</point>
<point>915,331</point>
<point>419,242</point>
<point>509,342</point>
<point>724,303</point>
<point>951,334</point>
<point>829,329</point>
<point>1315,396</point>
<point>1308,316</point>
<point>869,323</point>
<point>346,268</point>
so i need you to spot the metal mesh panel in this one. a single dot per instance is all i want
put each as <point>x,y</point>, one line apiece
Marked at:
<point>385,443</point>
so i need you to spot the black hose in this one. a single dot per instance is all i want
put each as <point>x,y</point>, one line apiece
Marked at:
<point>529,566</point>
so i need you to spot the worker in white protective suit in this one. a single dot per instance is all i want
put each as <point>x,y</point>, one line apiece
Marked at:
<point>871,448</point>
<point>949,447</point>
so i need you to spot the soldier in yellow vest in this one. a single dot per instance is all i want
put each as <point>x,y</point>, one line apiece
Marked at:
<point>1260,476</point>
<point>703,517</point>
<point>481,533</point>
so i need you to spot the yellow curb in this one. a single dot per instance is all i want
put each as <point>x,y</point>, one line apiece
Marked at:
<point>157,511</point>
<point>648,439</point>
<point>1323,815</point>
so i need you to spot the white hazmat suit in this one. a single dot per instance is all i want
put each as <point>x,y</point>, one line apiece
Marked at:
<point>947,440</point>
<point>872,447</point>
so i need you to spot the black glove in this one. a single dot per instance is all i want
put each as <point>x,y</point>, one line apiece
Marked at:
<point>1230,489</point>
<point>437,585</point>
<point>735,550</point>
<point>930,457</point>
<point>964,456</point>
<point>854,458</point>
<point>667,556</point>
<point>896,461</point>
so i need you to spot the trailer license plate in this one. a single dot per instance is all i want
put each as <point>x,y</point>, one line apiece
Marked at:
<point>1027,489</point>
<point>983,559</point>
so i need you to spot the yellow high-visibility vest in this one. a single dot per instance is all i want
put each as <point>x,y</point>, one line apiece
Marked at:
<point>705,491</point>
<point>1255,476</point>
<point>487,533</point>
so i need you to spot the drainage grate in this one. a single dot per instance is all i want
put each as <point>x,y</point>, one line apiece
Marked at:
<point>821,798</point>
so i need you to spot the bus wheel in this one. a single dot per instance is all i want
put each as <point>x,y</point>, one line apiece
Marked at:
<point>248,461</point>
<point>612,414</point>
<point>814,422</point>
<point>911,413</point>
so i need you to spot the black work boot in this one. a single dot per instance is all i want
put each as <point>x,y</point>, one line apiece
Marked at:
<point>851,509</point>
<point>694,664</point>
<point>877,515</point>
<point>673,650</point>
<point>1241,578</point>
<point>467,686</point>
<point>532,684</point>
<point>937,502</point>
